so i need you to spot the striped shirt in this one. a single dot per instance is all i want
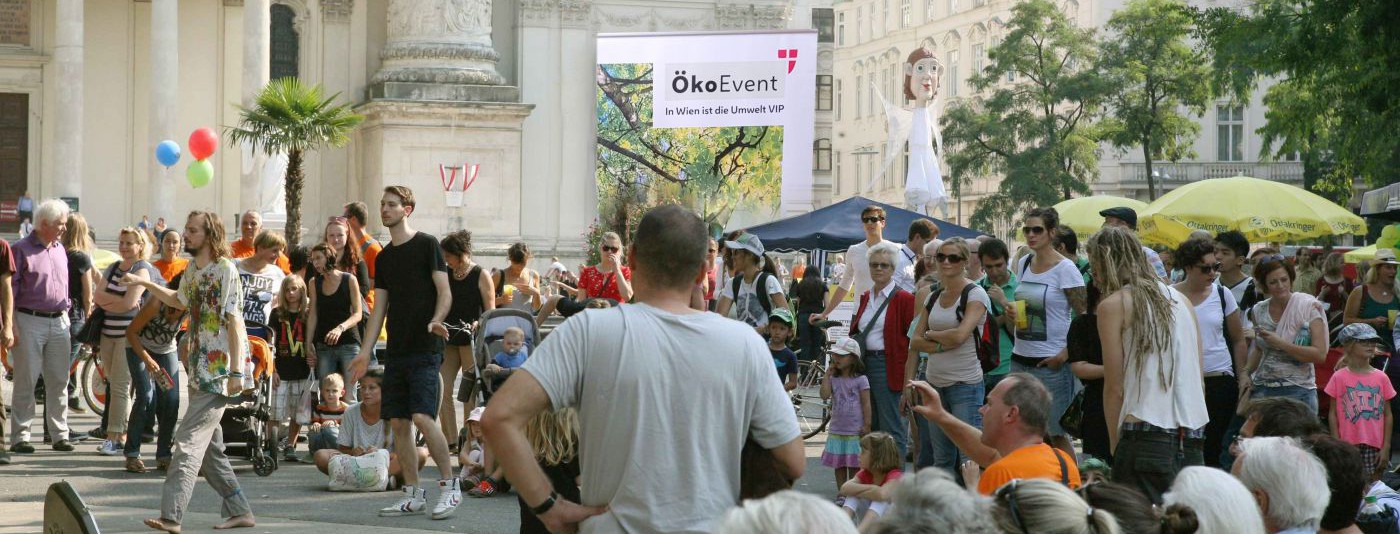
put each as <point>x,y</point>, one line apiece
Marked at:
<point>114,324</point>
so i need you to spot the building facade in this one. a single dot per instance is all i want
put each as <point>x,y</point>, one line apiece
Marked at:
<point>875,37</point>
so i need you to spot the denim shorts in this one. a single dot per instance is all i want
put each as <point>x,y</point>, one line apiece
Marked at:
<point>411,385</point>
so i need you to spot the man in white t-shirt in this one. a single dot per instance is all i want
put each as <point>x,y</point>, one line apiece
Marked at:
<point>855,280</point>
<point>261,278</point>
<point>660,430</point>
<point>921,232</point>
<point>1126,217</point>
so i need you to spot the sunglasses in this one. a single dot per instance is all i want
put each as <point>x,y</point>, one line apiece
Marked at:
<point>1207,269</point>
<point>610,248</point>
<point>872,220</point>
<point>881,265</point>
<point>1033,230</point>
<point>950,258</point>
<point>1008,494</point>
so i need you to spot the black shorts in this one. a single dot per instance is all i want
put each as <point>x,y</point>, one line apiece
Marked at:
<point>411,385</point>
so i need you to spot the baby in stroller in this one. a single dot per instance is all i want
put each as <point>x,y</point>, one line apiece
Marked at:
<point>512,355</point>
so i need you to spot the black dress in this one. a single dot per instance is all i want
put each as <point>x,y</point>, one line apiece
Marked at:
<point>1084,346</point>
<point>562,477</point>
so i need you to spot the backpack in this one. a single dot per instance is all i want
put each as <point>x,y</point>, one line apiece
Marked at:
<point>986,334</point>
<point>760,286</point>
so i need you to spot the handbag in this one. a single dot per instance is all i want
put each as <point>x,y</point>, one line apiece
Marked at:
<point>307,403</point>
<point>1073,418</point>
<point>91,332</point>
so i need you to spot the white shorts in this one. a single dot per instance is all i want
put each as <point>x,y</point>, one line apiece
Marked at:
<point>287,398</point>
<point>864,506</point>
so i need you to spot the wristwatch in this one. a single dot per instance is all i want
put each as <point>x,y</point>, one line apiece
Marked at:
<point>545,506</point>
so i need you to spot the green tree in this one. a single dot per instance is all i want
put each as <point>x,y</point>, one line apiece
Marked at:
<point>1337,101</point>
<point>1039,132</point>
<point>292,118</point>
<point>1154,76</point>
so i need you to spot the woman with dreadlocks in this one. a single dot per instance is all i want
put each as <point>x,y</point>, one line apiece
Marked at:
<point>1154,400</point>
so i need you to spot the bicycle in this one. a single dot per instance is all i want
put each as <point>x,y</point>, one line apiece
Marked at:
<point>813,412</point>
<point>86,369</point>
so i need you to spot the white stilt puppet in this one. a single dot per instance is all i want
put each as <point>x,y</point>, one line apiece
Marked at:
<point>923,187</point>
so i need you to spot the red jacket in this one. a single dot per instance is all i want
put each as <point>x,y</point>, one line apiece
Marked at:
<point>898,316</point>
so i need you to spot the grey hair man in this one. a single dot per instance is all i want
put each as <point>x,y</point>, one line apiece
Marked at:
<point>931,502</point>
<point>1288,482</point>
<point>40,295</point>
<point>787,512</point>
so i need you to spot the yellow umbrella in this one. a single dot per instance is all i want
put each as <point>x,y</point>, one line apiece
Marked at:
<point>1359,255</point>
<point>1261,209</point>
<point>1082,214</point>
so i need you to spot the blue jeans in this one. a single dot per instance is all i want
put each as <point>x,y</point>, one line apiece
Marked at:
<point>1306,395</point>
<point>337,360</point>
<point>884,403</point>
<point>963,401</point>
<point>151,403</point>
<point>1061,384</point>
<point>325,437</point>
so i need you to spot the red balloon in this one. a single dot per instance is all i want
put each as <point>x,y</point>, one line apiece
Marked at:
<point>203,142</point>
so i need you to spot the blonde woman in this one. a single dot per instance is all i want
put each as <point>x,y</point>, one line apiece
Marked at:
<point>120,304</point>
<point>1154,400</point>
<point>1048,507</point>
<point>1373,302</point>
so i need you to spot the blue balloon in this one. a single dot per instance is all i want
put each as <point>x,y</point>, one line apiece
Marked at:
<point>168,153</point>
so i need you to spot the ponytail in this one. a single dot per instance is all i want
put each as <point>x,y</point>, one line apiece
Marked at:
<point>1179,519</point>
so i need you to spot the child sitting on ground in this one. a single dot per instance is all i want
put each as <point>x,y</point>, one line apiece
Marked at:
<point>553,436</point>
<point>363,431</point>
<point>868,494</point>
<point>512,356</point>
<point>1361,393</point>
<point>482,475</point>
<point>325,419</point>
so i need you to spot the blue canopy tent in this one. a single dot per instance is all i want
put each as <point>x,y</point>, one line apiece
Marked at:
<point>836,227</point>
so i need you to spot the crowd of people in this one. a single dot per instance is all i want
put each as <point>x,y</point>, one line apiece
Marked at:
<point>1214,387</point>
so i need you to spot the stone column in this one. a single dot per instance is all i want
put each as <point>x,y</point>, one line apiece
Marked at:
<point>68,120</point>
<point>165,101</point>
<point>436,49</point>
<point>257,54</point>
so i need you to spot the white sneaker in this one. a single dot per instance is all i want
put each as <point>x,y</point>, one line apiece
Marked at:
<point>413,502</point>
<point>449,496</point>
<point>110,448</point>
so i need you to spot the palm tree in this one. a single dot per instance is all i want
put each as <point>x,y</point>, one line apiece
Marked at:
<point>292,118</point>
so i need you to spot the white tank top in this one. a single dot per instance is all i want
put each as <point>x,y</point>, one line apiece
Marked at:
<point>1179,401</point>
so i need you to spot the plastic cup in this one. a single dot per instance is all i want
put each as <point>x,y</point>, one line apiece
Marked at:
<point>1022,322</point>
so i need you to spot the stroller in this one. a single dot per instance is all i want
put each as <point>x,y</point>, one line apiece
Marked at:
<point>246,422</point>
<point>489,340</point>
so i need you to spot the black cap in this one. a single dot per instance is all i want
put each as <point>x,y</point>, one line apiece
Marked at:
<point>1126,214</point>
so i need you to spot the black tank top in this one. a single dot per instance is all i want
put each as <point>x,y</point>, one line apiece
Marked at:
<point>466,304</point>
<point>334,309</point>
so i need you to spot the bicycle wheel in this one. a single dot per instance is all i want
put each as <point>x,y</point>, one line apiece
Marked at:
<point>94,385</point>
<point>812,412</point>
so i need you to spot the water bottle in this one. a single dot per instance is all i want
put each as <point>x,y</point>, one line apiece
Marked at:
<point>1371,506</point>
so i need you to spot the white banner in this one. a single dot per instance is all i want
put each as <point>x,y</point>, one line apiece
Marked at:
<point>723,118</point>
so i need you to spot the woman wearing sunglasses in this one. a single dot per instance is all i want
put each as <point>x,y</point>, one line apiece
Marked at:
<point>1153,397</point>
<point>951,342</point>
<point>1374,302</point>
<point>1223,344</point>
<point>609,279</point>
<point>1051,288</point>
<point>881,326</point>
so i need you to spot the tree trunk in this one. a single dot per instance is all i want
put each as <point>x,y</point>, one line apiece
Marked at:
<point>1312,172</point>
<point>293,185</point>
<point>1151,183</point>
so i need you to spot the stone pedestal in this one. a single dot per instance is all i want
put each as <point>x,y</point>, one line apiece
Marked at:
<point>438,100</point>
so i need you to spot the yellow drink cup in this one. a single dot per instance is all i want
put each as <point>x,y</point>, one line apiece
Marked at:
<point>1391,316</point>
<point>1022,322</point>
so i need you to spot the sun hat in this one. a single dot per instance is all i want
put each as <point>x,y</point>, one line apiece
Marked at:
<point>846,346</point>
<point>1358,332</point>
<point>1385,255</point>
<point>746,241</point>
<point>477,412</point>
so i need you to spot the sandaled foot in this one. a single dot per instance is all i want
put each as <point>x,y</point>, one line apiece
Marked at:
<point>240,521</point>
<point>163,525</point>
<point>135,465</point>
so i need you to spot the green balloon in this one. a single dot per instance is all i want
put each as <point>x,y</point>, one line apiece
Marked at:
<point>1390,232</point>
<point>199,173</point>
<point>1385,242</point>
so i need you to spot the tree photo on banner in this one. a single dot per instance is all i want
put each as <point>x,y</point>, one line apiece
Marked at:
<point>721,143</point>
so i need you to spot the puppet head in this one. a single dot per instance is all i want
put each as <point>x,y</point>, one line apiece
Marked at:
<point>921,74</point>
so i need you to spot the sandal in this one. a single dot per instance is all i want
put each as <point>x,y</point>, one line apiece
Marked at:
<point>162,464</point>
<point>135,465</point>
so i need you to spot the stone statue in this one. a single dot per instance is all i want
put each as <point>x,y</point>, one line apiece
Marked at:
<point>919,126</point>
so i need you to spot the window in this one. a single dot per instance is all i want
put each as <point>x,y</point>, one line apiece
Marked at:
<point>862,31</point>
<point>837,101</point>
<point>979,58</point>
<point>884,20</point>
<point>1229,140</point>
<point>928,10</point>
<point>906,13</point>
<point>836,175</point>
<point>870,98</point>
<point>885,85</point>
<point>824,92</point>
<point>285,51</point>
<point>953,73</point>
<point>822,21</point>
<point>821,155</point>
<point>841,30</point>
<point>860,96</point>
<point>952,6</point>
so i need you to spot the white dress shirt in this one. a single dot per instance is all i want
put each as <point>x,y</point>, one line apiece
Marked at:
<point>876,339</point>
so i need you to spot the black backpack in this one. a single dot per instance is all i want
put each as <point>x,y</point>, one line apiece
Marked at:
<point>760,288</point>
<point>986,334</point>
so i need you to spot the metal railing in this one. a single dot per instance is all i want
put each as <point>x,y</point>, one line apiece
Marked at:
<point>1175,174</point>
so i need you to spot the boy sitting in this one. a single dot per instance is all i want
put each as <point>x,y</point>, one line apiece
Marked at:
<point>325,419</point>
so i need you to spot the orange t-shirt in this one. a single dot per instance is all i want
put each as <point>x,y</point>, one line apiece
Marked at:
<point>169,269</point>
<point>369,249</point>
<point>1035,461</point>
<point>239,250</point>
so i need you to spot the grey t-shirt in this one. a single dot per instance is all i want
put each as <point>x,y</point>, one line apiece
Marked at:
<point>1276,367</point>
<point>355,432</point>
<point>665,403</point>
